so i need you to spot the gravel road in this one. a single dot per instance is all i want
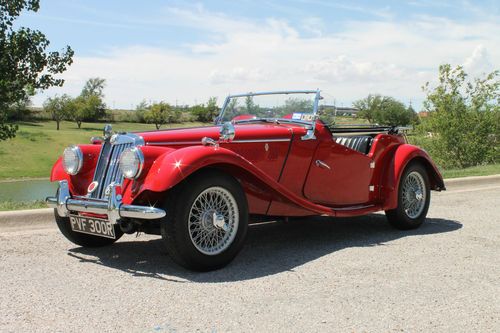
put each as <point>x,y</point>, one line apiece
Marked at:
<point>355,275</point>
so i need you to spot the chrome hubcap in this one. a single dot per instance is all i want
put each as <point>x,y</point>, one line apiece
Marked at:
<point>413,194</point>
<point>213,220</point>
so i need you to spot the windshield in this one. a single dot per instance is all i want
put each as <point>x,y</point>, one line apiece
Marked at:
<point>292,106</point>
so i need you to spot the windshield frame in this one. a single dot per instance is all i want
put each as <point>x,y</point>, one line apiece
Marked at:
<point>286,92</point>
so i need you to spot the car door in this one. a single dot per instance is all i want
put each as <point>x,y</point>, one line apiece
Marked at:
<point>338,176</point>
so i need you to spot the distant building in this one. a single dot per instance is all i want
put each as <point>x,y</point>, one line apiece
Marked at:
<point>344,111</point>
<point>341,111</point>
<point>423,114</point>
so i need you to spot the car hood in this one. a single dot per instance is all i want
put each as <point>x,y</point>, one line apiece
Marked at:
<point>244,132</point>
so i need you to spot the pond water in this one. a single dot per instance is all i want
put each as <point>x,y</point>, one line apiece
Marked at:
<point>26,190</point>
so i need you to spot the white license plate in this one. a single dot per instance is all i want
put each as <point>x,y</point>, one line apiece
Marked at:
<point>92,226</point>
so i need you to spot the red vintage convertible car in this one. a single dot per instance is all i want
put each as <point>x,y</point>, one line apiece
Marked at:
<point>268,155</point>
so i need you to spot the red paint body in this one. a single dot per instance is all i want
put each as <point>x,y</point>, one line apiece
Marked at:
<point>275,166</point>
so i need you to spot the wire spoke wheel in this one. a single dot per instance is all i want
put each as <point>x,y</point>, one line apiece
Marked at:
<point>414,195</point>
<point>413,198</point>
<point>213,220</point>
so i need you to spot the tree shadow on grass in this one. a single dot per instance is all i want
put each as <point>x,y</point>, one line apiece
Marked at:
<point>270,248</point>
<point>86,129</point>
<point>31,123</point>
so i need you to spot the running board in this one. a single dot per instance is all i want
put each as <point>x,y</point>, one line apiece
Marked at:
<point>356,210</point>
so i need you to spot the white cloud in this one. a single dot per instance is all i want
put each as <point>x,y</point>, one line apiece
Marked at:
<point>479,62</point>
<point>238,75</point>
<point>388,57</point>
<point>341,68</point>
<point>313,25</point>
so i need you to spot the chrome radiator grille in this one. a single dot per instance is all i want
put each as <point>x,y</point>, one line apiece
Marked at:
<point>107,169</point>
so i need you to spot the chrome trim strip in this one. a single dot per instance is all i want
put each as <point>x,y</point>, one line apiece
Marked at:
<point>259,140</point>
<point>166,143</point>
<point>170,143</point>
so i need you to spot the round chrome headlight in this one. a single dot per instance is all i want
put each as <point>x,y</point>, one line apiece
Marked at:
<point>72,160</point>
<point>131,163</point>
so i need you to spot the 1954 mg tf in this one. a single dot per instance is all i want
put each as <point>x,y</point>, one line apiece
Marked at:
<point>268,155</point>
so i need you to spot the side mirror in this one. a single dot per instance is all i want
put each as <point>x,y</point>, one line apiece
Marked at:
<point>227,131</point>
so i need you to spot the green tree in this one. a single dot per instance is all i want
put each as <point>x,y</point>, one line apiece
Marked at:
<point>77,110</point>
<point>212,109</point>
<point>20,109</point>
<point>368,107</point>
<point>25,63</point>
<point>251,107</point>
<point>140,110</point>
<point>58,107</point>
<point>393,112</point>
<point>464,118</point>
<point>94,87</point>
<point>384,110</point>
<point>175,115</point>
<point>415,120</point>
<point>158,114</point>
<point>205,113</point>
<point>89,106</point>
<point>291,105</point>
<point>198,112</point>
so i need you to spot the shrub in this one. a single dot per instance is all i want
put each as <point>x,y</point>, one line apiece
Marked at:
<point>463,120</point>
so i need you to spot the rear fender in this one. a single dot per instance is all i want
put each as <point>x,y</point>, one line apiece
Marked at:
<point>403,156</point>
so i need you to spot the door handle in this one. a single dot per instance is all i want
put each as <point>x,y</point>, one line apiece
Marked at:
<point>322,164</point>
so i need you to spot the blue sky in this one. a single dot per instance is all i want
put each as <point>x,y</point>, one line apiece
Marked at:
<point>187,51</point>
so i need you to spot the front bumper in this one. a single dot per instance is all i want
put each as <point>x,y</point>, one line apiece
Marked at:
<point>113,207</point>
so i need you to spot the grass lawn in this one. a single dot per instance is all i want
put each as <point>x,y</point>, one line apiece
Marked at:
<point>482,170</point>
<point>37,145</point>
<point>12,205</point>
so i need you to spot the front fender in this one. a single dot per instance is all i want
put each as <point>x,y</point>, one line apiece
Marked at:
<point>172,167</point>
<point>78,183</point>
<point>57,172</point>
<point>403,155</point>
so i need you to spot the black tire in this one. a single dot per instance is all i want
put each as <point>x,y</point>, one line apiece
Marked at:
<point>175,226</point>
<point>83,239</point>
<point>402,219</point>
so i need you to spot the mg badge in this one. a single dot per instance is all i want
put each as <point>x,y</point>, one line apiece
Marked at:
<point>92,187</point>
